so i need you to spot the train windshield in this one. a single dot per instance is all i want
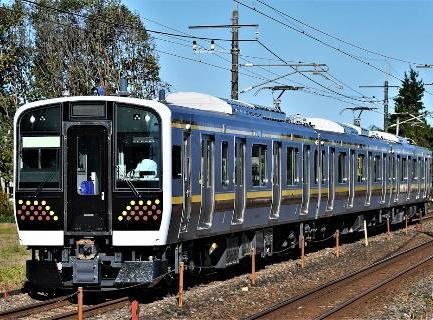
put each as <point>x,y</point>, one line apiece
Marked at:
<point>138,147</point>
<point>39,145</point>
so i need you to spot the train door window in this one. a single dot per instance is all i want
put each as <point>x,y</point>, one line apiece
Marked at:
<point>397,178</point>
<point>306,179</point>
<point>258,165</point>
<point>224,164</point>
<point>316,166</point>
<point>414,170</point>
<point>360,168</point>
<point>376,169</point>
<point>207,181</point>
<point>39,156</point>
<point>176,164</point>
<point>331,189</point>
<point>383,175</point>
<point>292,177</point>
<point>322,167</point>
<point>342,175</point>
<point>403,175</point>
<point>88,164</point>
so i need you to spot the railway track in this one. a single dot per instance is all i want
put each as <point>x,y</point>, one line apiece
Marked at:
<point>35,308</point>
<point>332,300</point>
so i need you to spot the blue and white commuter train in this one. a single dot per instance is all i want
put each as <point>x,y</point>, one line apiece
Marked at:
<point>113,191</point>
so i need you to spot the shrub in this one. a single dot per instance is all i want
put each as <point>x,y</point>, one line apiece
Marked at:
<point>6,208</point>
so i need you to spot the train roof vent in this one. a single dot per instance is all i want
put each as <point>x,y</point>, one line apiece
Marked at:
<point>325,125</point>
<point>359,130</point>
<point>384,136</point>
<point>199,101</point>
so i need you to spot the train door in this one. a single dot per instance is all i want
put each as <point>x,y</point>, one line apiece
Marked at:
<point>352,172</point>
<point>240,196</point>
<point>397,178</point>
<point>384,177</point>
<point>305,179</point>
<point>369,178</point>
<point>87,169</point>
<point>419,175</point>
<point>391,178</point>
<point>276,180</point>
<point>207,178</point>
<point>186,171</point>
<point>331,179</point>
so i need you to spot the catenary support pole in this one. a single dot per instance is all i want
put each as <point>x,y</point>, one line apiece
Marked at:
<point>253,266</point>
<point>388,229</point>
<point>302,251</point>
<point>337,243</point>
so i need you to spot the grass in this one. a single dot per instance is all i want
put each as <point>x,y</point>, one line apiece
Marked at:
<point>12,258</point>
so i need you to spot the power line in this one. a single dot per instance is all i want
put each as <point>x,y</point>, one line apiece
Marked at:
<point>318,40</point>
<point>129,26</point>
<point>335,37</point>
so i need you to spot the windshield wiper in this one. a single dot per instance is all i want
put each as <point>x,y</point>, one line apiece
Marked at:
<point>48,178</point>
<point>133,188</point>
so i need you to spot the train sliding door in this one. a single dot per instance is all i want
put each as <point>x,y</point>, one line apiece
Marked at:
<point>240,196</point>
<point>276,180</point>
<point>87,158</point>
<point>306,183</point>
<point>207,181</point>
<point>186,173</point>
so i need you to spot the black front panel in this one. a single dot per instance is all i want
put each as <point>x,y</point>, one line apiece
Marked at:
<point>87,172</point>
<point>133,213</point>
<point>42,211</point>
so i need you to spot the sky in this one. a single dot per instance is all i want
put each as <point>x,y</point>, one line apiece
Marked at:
<point>397,29</point>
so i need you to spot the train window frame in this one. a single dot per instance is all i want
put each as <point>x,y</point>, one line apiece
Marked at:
<point>54,143</point>
<point>115,179</point>
<point>403,169</point>
<point>292,176</point>
<point>262,173</point>
<point>225,182</point>
<point>341,167</point>
<point>360,171</point>
<point>377,168</point>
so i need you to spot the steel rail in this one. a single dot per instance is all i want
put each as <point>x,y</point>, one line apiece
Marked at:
<point>34,308</point>
<point>362,294</point>
<point>308,293</point>
<point>95,309</point>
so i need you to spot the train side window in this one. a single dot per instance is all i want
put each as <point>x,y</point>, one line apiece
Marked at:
<point>403,169</point>
<point>292,177</point>
<point>258,161</point>
<point>360,173</point>
<point>224,164</point>
<point>176,164</point>
<point>414,170</point>
<point>322,167</point>
<point>342,175</point>
<point>316,166</point>
<point>376,169</point>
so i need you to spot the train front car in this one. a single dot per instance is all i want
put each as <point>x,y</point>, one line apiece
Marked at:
<point>92,195</point>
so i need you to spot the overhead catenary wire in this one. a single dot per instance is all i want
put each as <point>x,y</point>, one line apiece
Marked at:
<point>350,55</point>
<point>335,37</point>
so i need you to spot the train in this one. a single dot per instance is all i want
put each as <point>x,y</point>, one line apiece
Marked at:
<point>115,191</point>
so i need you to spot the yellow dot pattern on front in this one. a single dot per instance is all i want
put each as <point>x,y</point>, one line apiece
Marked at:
<point>124,213</point>
<point>52,214</point>
<point>132,202</point>
<point>36,202</point>
<point>140,202</point>
<point>120,218</point>
<point>157,201</point>
<point>56,218</point>
<point>128,207</point>
<point>48,207</point>
<point>43,202</point>
<point>20,201</point>
<point>28,202</point>
<point>149,202</point>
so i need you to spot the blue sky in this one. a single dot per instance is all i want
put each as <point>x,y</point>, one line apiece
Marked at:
<point>400,29</point>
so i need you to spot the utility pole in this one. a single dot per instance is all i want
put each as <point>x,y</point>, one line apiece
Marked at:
<point>385,107</point>
<point>386,87</point>
<point>235,26</point>
<point>235,54</point>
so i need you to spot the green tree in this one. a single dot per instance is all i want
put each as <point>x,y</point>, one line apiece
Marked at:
<point>408,104</point>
